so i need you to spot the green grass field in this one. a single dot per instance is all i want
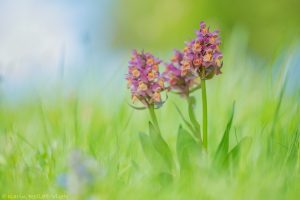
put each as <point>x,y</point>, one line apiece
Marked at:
<point>87,146</point>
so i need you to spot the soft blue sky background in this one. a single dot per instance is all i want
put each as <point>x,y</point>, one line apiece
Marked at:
<point>43,41</point>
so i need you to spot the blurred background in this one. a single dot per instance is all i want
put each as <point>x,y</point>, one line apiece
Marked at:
<point>46,42</point>
<point>65,125</point>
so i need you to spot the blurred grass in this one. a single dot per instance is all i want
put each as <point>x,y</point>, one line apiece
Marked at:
<point>38,138</point>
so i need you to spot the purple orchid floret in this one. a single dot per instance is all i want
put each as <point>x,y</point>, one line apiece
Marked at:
<point>144,79</point>
<point>202,55</point>
<point>177,78</point>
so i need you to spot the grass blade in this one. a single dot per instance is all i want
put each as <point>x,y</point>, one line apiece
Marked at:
<point>224,144</point>
<point>232,157</point>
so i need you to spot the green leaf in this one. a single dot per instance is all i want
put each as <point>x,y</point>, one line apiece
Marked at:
<point>191,103</point>
<point>151,154</point>
<point>189,125</point>
<point>224,144</point>
<point>161,146</point>
<point>187,149</point>
<point>233,156</point>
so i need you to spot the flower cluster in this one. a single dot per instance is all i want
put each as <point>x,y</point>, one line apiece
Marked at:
<point>202,55</point>
<point>144,79</point>
<point>200,59</point>
<point>177,77</point>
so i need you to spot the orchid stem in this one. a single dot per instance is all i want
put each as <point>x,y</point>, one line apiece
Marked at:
<point>204,110</point>
<point>153,117</point>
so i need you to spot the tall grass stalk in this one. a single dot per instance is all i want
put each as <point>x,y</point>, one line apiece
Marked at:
<point>204,111</point>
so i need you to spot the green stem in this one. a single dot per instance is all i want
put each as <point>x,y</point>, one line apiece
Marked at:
<point>204,107</point>
<point>153,117</point>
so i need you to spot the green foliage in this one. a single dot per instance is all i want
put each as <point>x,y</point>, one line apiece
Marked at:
<point>232,157</point>
<point>188,150</point>
<point>186,122</point>
<point>157,150</point>
<point>223,147</point>
<point>191,107</point>
<point>151,154</point>
<point>161,146</point>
